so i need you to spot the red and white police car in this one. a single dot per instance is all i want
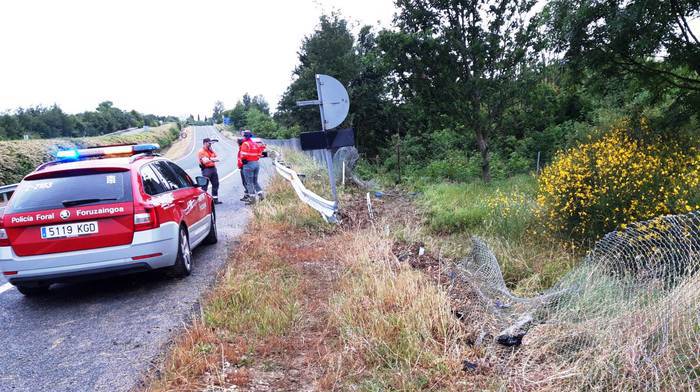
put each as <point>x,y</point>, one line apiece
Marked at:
<point>103,211</point>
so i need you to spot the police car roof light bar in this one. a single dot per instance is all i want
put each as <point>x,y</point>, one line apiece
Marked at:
<point>106,152</point>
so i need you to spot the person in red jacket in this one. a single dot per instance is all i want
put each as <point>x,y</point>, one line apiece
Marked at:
<point>240,168</point>
<point>250,153</point>
<point>207,162</point>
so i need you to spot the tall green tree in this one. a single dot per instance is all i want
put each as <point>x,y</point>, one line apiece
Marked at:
<point>329,50</point>
<point>373,113</point>
<point>457,59</point>
<point>652,38</point>
<point>218,111</point>
<point>641,57</point>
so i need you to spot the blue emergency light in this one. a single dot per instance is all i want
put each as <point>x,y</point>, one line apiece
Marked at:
<point>144,148</point>
<point>106,152</point>
<point>68,155</point>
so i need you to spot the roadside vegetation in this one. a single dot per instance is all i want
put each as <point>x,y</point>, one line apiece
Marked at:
<point>505,214</point>
<point>19,157</point>
<point>51,122</point>
<point>371,304</point>
<point>564,145</point>
<point>254,113</point>
<point>305,305</point>
<point>538,132</point>
<point>612,128</point>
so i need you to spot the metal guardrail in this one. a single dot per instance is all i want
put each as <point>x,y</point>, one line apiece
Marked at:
<point>327,208</point>
<point>6,192</point>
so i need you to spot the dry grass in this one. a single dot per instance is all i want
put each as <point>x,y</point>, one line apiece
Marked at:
<point>307,305</point>
<point>395,325</point>
<point>263,309</point>
<point>255,304</point>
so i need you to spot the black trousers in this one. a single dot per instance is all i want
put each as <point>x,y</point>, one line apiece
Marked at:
<point>213,176</point>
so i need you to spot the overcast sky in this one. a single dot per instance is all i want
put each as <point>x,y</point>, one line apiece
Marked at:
<point>157,56</point>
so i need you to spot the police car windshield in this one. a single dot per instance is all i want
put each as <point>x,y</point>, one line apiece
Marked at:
<point>54,193</point>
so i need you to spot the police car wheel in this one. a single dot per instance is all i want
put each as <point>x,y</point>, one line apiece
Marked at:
<point>212,237</point>
<point>183,261</point>
<point>31,291</point>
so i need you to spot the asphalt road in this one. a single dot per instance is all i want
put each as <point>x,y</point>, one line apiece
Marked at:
<point>104,335</point>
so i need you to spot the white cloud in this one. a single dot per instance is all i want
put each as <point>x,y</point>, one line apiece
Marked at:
<point>157,56</point>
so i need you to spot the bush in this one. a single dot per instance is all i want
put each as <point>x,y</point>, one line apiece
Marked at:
<point>604,184</point>
<point>456,167</point>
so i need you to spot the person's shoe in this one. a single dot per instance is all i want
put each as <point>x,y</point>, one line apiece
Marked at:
<point>245,197</point>
<point>261,196</point>
<point>216,201</point>
<point>251,201</point>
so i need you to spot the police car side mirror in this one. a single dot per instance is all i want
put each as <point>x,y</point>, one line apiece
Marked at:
<point>202,182</point>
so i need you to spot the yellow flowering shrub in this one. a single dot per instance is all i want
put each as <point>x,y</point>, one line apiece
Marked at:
<point>608,183</point>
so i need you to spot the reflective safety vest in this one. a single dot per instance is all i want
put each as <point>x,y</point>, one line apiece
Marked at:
<point>205,157</point>
<point>250,150</point>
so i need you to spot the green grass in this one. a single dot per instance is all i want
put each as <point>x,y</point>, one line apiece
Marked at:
<point>504,214</point>
<point>255,302</point>
<point>504,208</point>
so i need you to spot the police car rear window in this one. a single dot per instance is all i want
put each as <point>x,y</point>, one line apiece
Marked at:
<point>86,189</point>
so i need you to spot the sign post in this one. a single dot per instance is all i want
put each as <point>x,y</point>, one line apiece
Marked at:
<point>334,105</point>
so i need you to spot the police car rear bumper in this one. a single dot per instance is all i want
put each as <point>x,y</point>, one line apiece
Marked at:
<point>150,249</point>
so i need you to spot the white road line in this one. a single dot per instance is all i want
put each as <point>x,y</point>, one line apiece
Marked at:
<point>229,175</point>
<point>5,287</point>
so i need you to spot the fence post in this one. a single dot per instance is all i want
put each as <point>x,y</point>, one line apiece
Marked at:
<point>398,155</point>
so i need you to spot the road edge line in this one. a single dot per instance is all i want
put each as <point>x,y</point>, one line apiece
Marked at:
<point>5,287</point>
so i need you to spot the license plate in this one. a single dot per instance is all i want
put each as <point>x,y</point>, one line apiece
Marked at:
<point>69,230</point>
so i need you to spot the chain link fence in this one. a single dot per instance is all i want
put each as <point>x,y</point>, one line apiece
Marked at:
<point>628,318</point>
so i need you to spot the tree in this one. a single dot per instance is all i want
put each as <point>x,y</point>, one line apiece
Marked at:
<point>49,122</point>
<point>237,115</point>
<point>457,58</point>
<point>651,38</point>
<point>260,104</point>
<point>261,123</point>
<point>372,113</point>
<point>217,115</point>
<point>329,50</point>
<point>246,100</point>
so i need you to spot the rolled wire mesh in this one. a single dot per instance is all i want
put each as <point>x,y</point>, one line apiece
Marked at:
<point>627,318</point>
